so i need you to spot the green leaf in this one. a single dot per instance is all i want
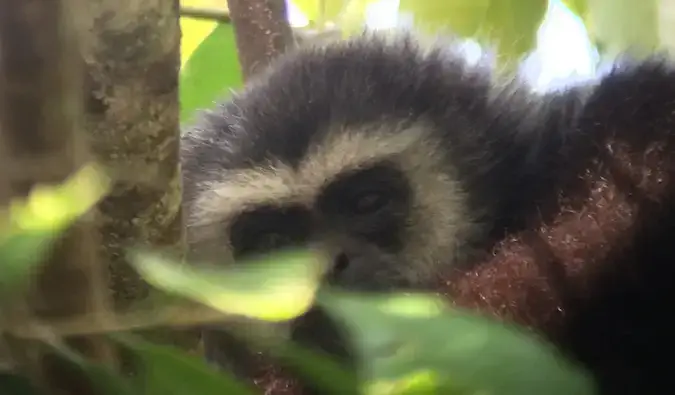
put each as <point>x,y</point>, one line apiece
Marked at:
<point>578,7</point>
<point>512,25</point>
<point>321,11</point>
<point>278,288</point>
<point>210,73</point>
<point>317,368</point>
<point>413,344</point>
<point>169,371</point>
<point>11,384</point>
<point>508,25</point>
<point>29,227</point>
<point>193,32</point>
<point>462,17</point>
<point>105,380</point>
<point>612,24</point>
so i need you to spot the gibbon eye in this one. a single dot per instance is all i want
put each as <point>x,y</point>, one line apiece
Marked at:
<point>369,202</point>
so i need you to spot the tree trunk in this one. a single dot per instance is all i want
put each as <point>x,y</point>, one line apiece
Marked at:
<point>132,57</point>
<point>131,54</point>
<point>40,117</point>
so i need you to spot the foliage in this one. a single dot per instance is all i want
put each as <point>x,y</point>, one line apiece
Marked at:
<point>509,27</point>
<point>276,290</point>
<point>29,227</point>
<point>215,57</point>
<point>404,343</point>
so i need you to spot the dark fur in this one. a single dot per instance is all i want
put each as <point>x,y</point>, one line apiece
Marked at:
<point>571,191</point>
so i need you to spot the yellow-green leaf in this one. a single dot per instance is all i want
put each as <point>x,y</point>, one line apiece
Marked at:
<point>210,73</point>
<point>279,288</point>
<point>462,17</point>
<point>28,227</point>
<point>511,26</point>
<point>612,24</point>
<point>578,7</point>
<point>353,19</point>
<point>318,12</point>
<point>193,32</point>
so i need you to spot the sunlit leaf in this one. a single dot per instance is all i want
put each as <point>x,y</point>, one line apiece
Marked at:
<point>510,26</point>
<point>28,227</point>
<point>413,344</point>
<point>194,31</point>
<point>210,73</point>
<point>612,23</point>
<point>166,370</point>
<point>462,17</point>
<point>353,19</point>
<point>321,11</point>
<point>578,7</point>
<point>279,288</point>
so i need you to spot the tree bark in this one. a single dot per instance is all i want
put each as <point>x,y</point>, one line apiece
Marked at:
<point>262,32</point>
<point>40,117</point>
<point>132,61</point>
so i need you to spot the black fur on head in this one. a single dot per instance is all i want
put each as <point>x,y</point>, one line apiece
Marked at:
<point>445,149</point>
<point>409,166</point>
<point>397,158</point>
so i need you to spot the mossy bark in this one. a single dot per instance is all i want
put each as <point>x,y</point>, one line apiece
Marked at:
<point>132,57</point>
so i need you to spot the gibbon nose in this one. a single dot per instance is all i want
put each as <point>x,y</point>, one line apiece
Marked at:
<point>338,253</point>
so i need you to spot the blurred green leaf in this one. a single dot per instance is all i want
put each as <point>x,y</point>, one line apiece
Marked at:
<point>193,32</point>
<point>277,288</point>
<point>321,11</point>
<point>512,26</point>
<point>462,17</point>
<point>28,227</point>
<point>578,7</point>
<point>508,25</point>
<point>11,384</point>
<point>209,74</point>
<point>166,370</point>
<point>353,19</point>
<point>612,23</point>
<point>317,368</point>
<point>105,380</point>
<point>412,344</point>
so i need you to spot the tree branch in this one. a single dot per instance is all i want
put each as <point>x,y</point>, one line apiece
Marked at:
<point>205,13</point>
<point>262,32</point>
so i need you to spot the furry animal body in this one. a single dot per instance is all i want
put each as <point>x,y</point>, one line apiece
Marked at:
<point>416,170</point>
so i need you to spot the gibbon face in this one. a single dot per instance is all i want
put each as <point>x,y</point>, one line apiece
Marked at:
<point>341,149</point>
<point>397,161</point>
<point>374,198</point>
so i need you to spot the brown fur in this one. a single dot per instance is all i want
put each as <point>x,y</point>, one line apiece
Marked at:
<point>574,189</point>
<point>544,277</point>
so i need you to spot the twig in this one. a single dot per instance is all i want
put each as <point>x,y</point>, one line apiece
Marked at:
<point>173,316</point>
<point>206,13</point>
